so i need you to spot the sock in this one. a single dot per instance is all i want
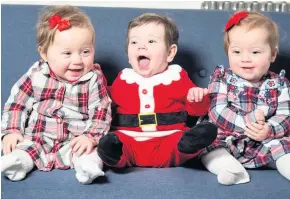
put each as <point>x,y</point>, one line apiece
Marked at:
<point>227,177</point>
<point>231,176</point>
<point>16,165</point>
<point>198,137</point>
<point>110,149</point>
<point>283,165</point>
<point>229,170</point>
<point>88,167</point>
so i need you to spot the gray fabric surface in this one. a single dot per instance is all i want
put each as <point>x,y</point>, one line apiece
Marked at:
<point>200,50</point>
<point>180,182</point>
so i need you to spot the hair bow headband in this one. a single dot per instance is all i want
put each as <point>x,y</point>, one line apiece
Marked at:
<point>55,20</point>
<point>235,19</point>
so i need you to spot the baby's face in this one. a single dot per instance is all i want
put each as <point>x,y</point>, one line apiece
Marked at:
<point>147,51</point>
<point>71,55</point>
<point>249,52</point>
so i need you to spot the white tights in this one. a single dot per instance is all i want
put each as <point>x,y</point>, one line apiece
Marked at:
<point>229,170</point>
<point>282,165</point>
<point>88,167</point>
<point>18,163</point>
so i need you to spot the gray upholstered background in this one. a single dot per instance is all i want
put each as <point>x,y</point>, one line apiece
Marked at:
<point>200,44</point>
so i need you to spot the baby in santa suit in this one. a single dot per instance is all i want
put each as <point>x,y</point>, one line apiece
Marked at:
<point>153,99</point>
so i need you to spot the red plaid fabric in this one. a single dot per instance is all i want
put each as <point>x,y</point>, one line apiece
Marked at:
<point>233,101</point>
<point>49,112</point>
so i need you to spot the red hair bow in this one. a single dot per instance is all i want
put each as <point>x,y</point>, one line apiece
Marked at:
<point>235,19</point>
<point>55,20</point>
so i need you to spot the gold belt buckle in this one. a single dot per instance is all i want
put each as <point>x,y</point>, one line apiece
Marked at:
<point>140,120</point>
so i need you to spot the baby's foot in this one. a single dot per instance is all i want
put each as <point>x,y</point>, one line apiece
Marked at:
<point>231,177</point>
<point>110,149</point>
<point>197,138</point>
<point>88,168</point>
<point>87,173</point>
<point>16,165</point>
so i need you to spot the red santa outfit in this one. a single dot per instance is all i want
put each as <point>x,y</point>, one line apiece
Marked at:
<point>151,116</point>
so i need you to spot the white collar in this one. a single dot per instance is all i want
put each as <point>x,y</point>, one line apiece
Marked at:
<point>171,74</point>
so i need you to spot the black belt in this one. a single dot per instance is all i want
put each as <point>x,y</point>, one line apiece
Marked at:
<point>149,119</point>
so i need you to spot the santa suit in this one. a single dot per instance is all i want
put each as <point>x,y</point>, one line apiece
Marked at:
<point>161,96</point>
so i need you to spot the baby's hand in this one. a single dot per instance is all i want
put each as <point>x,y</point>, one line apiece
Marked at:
<point>196,94</point>
<point>256,131</point>
<point>10,141</point>
<point>82,144</point>
<point>259,115</point>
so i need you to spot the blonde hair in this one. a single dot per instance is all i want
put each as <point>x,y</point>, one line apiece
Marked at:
<point>45,35</point>
<point>171,30</point>
<point>257,20</point>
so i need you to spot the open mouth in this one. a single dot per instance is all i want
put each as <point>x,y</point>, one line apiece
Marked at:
<point>143,61</point>
<point>75,70</point>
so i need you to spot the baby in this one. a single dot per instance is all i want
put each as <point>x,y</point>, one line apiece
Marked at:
<point>153,99</point>
<point>60,108</point>
<point>249,104</point>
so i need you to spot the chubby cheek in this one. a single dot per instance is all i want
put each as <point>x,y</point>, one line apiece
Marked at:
<point>263,69</point>
<point>156,68</point>
<point>89,64</point>
<point>90,67</point>
<point>263,63</point>
<point>135,68</point>
<point>61,71</point>
<point>64,67</point>
<point>133,62</point>
<point>58,67</point>
<point>234,64</point>
<point>90,60</point>
<point>232,60</point>
<point>131,58</point>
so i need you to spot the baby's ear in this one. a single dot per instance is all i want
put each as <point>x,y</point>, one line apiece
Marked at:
<point>42,53</point>
<point>274,54</point>
<point>171,53</point>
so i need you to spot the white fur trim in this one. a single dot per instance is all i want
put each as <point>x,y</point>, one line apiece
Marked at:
<point>165,78</point>
<point>145,100</point>
<point>171,74</point>
<point>142,136</point>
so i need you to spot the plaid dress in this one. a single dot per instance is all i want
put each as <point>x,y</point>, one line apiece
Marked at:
<point>49,113</point>
<point>233,101</point>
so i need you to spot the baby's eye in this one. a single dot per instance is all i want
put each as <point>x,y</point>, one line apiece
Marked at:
<point>67,53</point>
<point>86,51</point>
<point>236,52</point>
<point>256,52</point>
<point>133,42</point>
<point>151,41</point>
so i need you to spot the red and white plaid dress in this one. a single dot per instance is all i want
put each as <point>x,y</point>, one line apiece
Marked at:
<point>233,101</point>
<point>49,112</point>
